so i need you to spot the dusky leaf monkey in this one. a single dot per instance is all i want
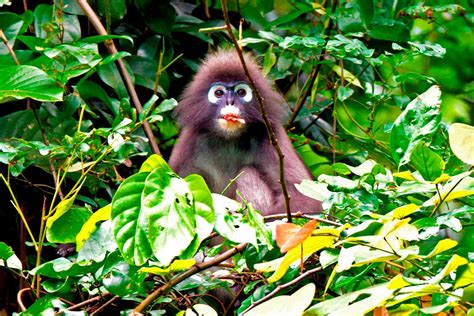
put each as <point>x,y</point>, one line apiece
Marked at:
<point>223,135</point>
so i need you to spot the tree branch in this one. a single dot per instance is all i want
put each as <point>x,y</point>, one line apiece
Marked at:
<point>181,277</point>
<point>94,19</point>
<point>268,124</point>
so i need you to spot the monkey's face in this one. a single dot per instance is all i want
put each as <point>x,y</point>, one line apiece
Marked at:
<point>231,102</point>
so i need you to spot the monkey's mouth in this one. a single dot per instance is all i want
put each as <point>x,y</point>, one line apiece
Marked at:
<point>230,120</point>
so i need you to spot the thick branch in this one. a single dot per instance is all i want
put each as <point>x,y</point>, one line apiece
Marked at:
<point>268,124</point>
<point>94,19</point>
<point>183,276</point>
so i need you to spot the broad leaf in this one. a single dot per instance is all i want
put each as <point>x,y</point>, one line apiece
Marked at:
<point>461,140</point>
<point>289,235</point>
<point>20,82</point>
<point>418,122</point>
<point>282,305</point>
<point>130,221</point>
<point>168,203</point>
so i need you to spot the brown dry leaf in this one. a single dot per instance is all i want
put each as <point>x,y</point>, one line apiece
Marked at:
<point>289,235</point>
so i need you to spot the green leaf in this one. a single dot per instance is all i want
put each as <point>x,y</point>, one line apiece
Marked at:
<point>203,205</point>
<point>11,25</point>
<point>427,162</point>
<point>344,93</point>
<point>62,268</point>
<point>418,122</point>
<point>347,305</point>
<point>366,10</point>
<point>227,225</point>
<point>168,203</point>
<point>20,82</point>
<point>8,257</point>
<point>66,226</point>
<point>155,162</point>
<point>317,191</point>
<point>99,244</point>
<point>20,124</point>
<point>112,9</point>
<point>124,279</point>
<point>389,30</point>
<point>130,221</point>
<point>159,17</point>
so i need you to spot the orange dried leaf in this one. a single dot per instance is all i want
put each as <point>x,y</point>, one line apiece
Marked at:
<point>290,235</point>
<point>380,311</point>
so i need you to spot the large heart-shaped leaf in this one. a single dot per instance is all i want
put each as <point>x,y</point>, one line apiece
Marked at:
<point>130,223</point>
<point>168,203</point>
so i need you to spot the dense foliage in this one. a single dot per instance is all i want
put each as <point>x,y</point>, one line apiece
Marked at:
<point>379,97</point>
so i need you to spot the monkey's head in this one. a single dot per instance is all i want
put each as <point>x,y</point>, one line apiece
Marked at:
<point>220,100</point>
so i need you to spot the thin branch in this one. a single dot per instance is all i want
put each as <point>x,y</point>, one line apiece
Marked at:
<point>281,287</point>
<point>94,19</point>
<point>307,88</point>
<point>100,309</point>
<point>89,301</point>
<point>268,124</point>
<point>301,215</point>
<point>183,276</point>
<point>9,48</point>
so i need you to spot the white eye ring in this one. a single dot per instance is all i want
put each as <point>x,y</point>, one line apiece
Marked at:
<point>248,95</point>
<point>215,93</point>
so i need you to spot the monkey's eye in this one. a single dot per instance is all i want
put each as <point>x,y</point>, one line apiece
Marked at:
<point>215,93</point>
<point>243,91</point>
<point>218,93</point>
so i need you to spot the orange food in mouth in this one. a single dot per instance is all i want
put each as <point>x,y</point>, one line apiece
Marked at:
<point>233,118</point>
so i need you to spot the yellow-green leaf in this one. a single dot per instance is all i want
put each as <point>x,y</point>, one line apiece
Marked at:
<point>153,162</point>
<point>442,245</point>
<point>404,175</point>
<point>461,140</point>
<point>348,76</point>
<point>177,265</point>
<point>90,226</point>
<point>466,277</point>
<point>452,265</point>
<point>59,210</point>
<point>310,246</point>
<point>403,211</point>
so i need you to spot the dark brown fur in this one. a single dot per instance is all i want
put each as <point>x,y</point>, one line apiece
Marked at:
<point>202,149</point>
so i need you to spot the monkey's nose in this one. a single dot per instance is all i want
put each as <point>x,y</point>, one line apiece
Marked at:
<point>230,98</point>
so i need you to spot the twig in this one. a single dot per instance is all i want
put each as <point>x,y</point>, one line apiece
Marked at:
<point>314,74</point>
<point>89,301</point>
<point>281,287</point>
<point>212,29</point>
<point>94,19</point>
<point>268,124</point>
<point>301,215</point>
<point>10,49</point>
<point>193,270</point>
<point>113,299</point>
